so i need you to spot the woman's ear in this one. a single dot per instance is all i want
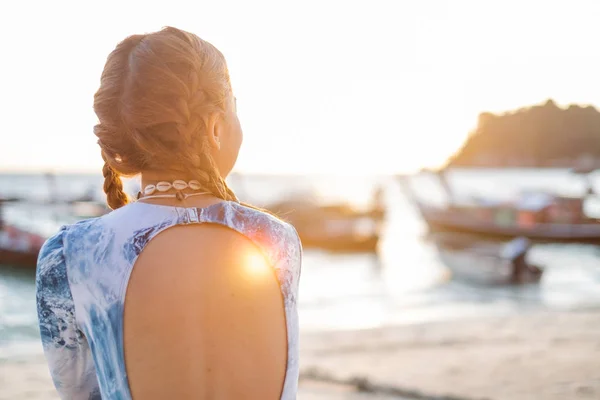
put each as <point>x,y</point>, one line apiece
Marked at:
<point>214,130</point>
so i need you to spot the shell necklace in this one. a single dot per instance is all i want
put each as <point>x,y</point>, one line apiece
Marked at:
<point>178,184</point>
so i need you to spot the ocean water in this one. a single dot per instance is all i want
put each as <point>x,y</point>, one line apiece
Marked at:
<point>405,282</point>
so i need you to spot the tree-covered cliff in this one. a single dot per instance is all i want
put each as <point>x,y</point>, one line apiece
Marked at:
<point>537,136</point>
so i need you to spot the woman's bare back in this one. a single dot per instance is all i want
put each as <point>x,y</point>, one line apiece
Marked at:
<point>210,294</point>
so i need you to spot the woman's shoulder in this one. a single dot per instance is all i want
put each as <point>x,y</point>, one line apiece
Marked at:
<point>51,255</point>
<point>258,225</point>
<point>261,217</point>
<point>277,240</point>
<point>51,271</point>
<point>52,250</point>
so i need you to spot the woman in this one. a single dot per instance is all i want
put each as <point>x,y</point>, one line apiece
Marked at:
<point>209,311</point>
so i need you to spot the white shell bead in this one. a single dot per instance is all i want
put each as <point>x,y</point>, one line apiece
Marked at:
<point>163,186</point>
<point>195,185</point>
<point>179,184</point>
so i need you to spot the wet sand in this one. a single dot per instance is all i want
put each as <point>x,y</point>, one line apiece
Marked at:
<point>542,355</point>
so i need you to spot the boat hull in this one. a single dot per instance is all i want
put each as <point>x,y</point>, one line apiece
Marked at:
<point>335,228</point>
<point>340,244</point>
<point>486,262</point>
<point>18,259</point>
<point>484,270</point>
<point>443,220</point>
<point>19,248</point>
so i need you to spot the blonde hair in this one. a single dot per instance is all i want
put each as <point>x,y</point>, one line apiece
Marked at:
<point>155,92</point>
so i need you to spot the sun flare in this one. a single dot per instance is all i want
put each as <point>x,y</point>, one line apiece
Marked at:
<point>255,265</point>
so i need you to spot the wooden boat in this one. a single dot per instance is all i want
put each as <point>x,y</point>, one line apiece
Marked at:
<point>487,263</point>
<point>338,235</point>
<point>448,219</point>
<point>531,220</point>
<point>19,248</point>
<point>336,228</point>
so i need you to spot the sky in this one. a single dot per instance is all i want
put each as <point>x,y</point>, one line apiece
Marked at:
<point>324,86</point>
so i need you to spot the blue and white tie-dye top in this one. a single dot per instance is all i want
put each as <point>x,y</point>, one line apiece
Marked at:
<point>83,273</point>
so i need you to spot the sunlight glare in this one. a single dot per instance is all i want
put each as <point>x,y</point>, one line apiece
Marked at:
<point>255,266</point>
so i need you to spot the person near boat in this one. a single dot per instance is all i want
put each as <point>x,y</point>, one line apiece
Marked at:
<point>516,251</point>
<point>471,258</point>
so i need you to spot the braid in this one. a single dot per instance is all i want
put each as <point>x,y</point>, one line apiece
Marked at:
<point>106,107</point>
<point>195,144</point>
<point>230,192</point>
<point>215,183</point>
<point>113,186</point>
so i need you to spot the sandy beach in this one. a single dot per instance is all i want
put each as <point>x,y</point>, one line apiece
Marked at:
<point>28,379</point>
<point>547,355</point>
<point>542,355</point>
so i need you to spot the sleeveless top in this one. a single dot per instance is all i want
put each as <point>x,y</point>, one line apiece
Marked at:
<point>83,273</point>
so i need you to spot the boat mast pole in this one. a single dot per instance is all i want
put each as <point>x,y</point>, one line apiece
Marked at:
<point>443,178</point>
<point>589,186</point>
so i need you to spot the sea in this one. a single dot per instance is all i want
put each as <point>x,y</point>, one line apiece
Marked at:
<point>405,282</point>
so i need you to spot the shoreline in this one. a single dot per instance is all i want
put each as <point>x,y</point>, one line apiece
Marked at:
<point>549,355</point>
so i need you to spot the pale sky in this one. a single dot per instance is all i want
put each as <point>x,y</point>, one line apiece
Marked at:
<point>322,86</point>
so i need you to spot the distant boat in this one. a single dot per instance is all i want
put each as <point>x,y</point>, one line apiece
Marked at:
<point>539,216</point>
<point>19,248</point>
<point>487,263</point>
<point>448,219</point>
<point>336,228</point>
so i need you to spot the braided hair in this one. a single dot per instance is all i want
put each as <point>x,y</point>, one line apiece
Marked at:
<point>156,92</point>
